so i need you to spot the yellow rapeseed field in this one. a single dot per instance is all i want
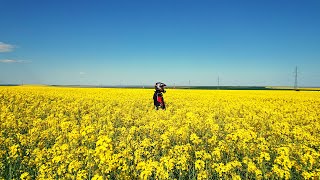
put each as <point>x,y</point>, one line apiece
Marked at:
<point>101,133</point>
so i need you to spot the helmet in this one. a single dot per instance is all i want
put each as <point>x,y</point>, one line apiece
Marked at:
<point>159,86</point>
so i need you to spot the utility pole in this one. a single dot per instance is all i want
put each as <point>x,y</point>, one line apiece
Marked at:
<point>218,82</point>
<point>189,84</point>
<point>296,78</point>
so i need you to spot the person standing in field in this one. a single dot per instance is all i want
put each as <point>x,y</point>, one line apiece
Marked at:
<point>158,96</point>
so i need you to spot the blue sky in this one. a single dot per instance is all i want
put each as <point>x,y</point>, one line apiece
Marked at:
<point>244,42</point>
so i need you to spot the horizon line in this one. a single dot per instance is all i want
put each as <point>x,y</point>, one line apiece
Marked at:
<point>151,86</point>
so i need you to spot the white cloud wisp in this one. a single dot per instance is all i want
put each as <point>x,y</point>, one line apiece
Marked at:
<point>13,61</point>
<point>6,47</point>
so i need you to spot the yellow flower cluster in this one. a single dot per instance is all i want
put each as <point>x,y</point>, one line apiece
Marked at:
<point>101,133</point>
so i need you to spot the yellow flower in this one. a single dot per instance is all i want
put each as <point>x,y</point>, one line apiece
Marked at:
<point>202,175</point>
<point>25,176</point>
<point>14,150</point>
<point>97,177</point>
<point>199,164</point>
<point>195,139</point>
<point>110,133</point>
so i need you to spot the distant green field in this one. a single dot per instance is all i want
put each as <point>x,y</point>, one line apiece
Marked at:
<point>226,87</point>
<point>249,88</point>
<point>189,87</point>
<point>291,88</point>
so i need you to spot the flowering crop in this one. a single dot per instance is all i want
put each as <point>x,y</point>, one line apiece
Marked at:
<point>94,133</point>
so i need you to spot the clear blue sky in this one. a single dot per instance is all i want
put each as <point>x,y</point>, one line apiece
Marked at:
<point>244,42</point>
